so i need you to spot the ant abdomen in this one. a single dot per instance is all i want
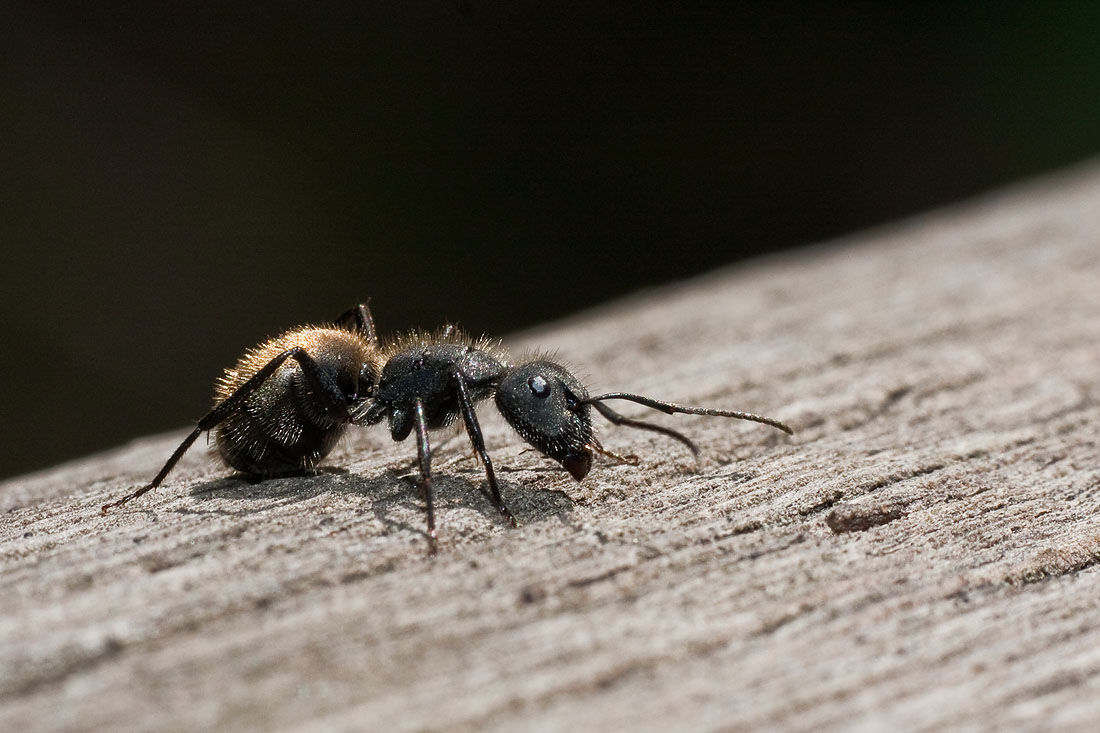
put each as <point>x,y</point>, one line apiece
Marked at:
<point>284,405</point>
<point>288,423</point>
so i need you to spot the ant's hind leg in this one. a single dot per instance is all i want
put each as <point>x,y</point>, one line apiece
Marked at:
<point>160,476</point>
<point>359,319</point>
<point>424,454</point>
<point>474,431</point>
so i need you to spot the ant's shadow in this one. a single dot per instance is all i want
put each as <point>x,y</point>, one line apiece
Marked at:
<point>385,491</point>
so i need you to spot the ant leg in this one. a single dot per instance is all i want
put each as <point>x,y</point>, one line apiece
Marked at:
<point>618,419</point>
<point>172,461</point>
<point>424,454</point>
<point>359,319</point>
<point>474,431</point>
<point>230,405</point>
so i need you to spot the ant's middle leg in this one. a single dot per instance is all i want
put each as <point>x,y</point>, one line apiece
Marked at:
<point>424,454</point>
<point>359,319</point>
<point>474,431</point>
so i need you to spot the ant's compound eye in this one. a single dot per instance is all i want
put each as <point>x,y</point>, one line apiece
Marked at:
<point>539,387</point>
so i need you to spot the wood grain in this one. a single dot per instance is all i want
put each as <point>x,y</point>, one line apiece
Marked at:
<point>922,553</point>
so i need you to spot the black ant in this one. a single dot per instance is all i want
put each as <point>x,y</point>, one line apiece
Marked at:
<point>274,417</point>
<point>285,403</point>
<point>430,381</point>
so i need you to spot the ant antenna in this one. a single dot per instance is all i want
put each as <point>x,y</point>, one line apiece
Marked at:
<point>672,408</point>
<point>618,419</point>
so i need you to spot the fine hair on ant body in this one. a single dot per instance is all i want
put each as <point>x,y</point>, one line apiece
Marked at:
<point>284,405</point>
<point>431,380</point>
<point>286,402</point>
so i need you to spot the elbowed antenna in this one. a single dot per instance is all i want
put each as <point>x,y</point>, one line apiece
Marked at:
<point>672,408</point>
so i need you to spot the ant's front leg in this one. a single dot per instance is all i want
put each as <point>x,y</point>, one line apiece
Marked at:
<point>474,431</point>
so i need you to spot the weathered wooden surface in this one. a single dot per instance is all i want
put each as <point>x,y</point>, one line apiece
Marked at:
<point>922,553</point>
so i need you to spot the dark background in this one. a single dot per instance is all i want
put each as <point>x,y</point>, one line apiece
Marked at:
<point>178,184</point>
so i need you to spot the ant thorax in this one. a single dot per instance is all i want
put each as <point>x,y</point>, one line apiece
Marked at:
<point>423,368</point>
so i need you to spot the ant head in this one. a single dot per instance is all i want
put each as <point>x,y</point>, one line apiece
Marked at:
<point>546,405</point>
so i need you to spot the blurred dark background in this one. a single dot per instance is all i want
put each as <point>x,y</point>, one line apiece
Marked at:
<point>178,184</point>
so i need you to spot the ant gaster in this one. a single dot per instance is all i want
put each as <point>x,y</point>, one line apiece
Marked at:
<point>285,403</point>
<point>430,381</point>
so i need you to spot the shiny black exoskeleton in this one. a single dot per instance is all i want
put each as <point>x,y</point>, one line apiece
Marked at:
<point>428,382</point>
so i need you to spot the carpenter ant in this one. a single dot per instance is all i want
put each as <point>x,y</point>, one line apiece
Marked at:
<point>431,380</point>
<point>285,403</point>
<point>273,416</point>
